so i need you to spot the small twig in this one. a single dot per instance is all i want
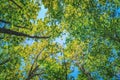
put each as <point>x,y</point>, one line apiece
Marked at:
<point>7,22</point>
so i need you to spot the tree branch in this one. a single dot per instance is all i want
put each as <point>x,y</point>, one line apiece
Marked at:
<point>7,22</point>
<point>82,68</point>
<point>35,74</point>
<point>35,60</point>
<point>32,71</point>
<point>16,4</point>
<point>86,72</point>
<point>11,32</point>
<point>35,69</point>
<point>65,66</point>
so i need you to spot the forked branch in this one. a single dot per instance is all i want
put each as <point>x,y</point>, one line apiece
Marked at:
<point>32,71</point>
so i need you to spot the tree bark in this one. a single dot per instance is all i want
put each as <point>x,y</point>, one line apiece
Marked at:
<point>11,32</point>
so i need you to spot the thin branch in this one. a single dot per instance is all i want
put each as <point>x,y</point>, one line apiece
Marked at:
<point>35,69</point>
<point>11,32</point>
<point>35,60</point>
<point>16,4</point>
<point>39,54</point>
<point>65,65</point>
<point>7,22</point>
<point>32,71</point>
<point>37,74</point>
<point>86,72</point>
<point>81,67</point>
<point>31,74</point>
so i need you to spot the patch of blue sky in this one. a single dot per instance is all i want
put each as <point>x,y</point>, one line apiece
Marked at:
<point>114,52</point>
<point>42,13</point>
<point>1,25</point>
<point>22,64</point>
<point>62,39</point>
<point>118,76</point>
<point>117,12</point>
<point>114,55</point>
<point>109,7</point>
<point>111,59</point>
<point>74,73</point>
<point>28,41</point>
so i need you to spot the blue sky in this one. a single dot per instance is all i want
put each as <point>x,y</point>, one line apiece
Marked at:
<point>42,12</point>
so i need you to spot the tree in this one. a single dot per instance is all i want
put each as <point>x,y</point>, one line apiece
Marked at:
<point>92,42</point>
<point>93,23</point>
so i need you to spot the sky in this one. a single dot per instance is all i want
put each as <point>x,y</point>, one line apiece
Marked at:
<point>42,12</point>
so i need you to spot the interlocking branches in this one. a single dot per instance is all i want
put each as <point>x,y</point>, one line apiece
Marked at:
<point>33,69</point>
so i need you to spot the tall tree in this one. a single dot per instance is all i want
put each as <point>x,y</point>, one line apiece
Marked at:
<point>30,50</point>
<point>93,22</point>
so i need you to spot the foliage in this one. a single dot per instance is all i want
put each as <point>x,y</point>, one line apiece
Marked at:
<point>92,42</point>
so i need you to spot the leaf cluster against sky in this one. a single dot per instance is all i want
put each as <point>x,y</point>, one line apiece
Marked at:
<point>31,47</point>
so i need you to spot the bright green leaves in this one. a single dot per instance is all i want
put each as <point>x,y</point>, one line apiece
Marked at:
<point>87,21</point>
<point>93,32</point>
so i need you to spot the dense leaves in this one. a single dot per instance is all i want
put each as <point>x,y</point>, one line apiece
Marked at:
<point>80,33</point>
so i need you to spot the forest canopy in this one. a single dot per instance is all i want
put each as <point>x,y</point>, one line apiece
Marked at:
<point>82,35</point>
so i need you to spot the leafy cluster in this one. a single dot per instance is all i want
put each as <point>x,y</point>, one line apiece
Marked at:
<point>30,47</point>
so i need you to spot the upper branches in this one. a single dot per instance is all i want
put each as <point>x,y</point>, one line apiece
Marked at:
<point>32,71</point>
